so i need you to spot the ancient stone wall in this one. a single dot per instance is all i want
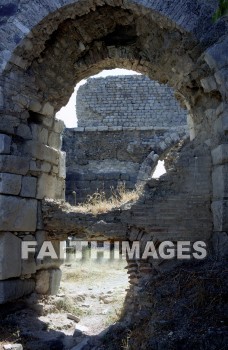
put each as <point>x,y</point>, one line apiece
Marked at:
<point>98,159</point>
<point>47,47</point>
<point>128,101</point>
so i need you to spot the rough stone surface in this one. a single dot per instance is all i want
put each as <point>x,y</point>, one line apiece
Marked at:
<point>10,183</point>
<point>14,164</point>
<point>28,187</point>
<point>17,214</point>
<point>5,143</point>
<point>127,101</point>
<point>10,255</point>
<point>15,289</point>
<point>48,281</point>
<point>123,156</point>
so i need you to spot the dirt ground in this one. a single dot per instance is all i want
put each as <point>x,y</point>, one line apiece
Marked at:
<point>91,291</point>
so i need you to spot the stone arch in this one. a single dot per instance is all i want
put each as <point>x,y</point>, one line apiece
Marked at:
<point>150,162</point>
<point>175,44</point>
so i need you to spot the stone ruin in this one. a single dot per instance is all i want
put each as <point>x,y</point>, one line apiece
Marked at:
<point>125,125</point>
<point>47,47</point>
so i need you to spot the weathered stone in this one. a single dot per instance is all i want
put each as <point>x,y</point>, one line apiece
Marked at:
<point>220,154</point>
<point>220,215</point>
<point>54,140</point>
<point>28,266</point>
<point>14,289</point>
<point>42,282</point>
<point>50,187</point>
<point>28,187</point>
<point>48,281</point>
<point>220,181</point>
<point>62,165</point>
<point>17,214</point>
<point>14,164</point>
<point>42,152</point>
<point>209,84</point>
<point>47,110</point>
<point>13,347</point>
<point>59,126</point>
<point>55,278</point>
<point>10,183</point>
<point>5,143</point>
<point>133,101</point>
<point>10,255</point>
<point>39,133</point>
<point>24,131</point>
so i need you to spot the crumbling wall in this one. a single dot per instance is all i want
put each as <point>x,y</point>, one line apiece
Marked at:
<point>101,159</point>
<point>128,101</point>
<point>47,48</point>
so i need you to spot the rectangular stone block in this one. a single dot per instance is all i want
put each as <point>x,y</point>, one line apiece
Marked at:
<point>220,181</point>
<point>28,266</point>
<point>220,154</point>
<point>14,164</point>
<point>62,165</point>
<point>50,187</point>
<point>17,214</point>
<point>59,126</point>
<point>39,133</point>
<point>55,140</point>
<point>42,152</point>
<point>220,215</point>
<point>10,255</point>
<point>10,183</point>
<point>28,189</point>
<point>5,143</point>
<point>14,289</point>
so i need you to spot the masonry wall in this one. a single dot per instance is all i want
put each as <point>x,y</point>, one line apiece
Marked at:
<point>128,101</point>
<point>101,159</point>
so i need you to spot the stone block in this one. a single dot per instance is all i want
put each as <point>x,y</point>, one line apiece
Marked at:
<point>24,131</point>
<point>14,164</point>
<point>42,282</point>
<point>39,133</point>
<point>62,165</point>
<point>17,214</point>
<point>13,347</point>
<point>209,84</point>
<point>50,187</point>
<point>28,266</point>
<point>220,215</point>
<point>8,123</point>
<point>55,140</point>
<point>55,279</point>
<point>48,281</point>
<point>5,143</point>
<point>28,189</point>
<point>40,166</point>
<point>10,183</point>
<point>42,152</point>
<point>216,56</point>
<point>47,110</point>
<point>220,154</point>
<point>220,181</point>
<point>10,255</point>
<point>59,126</point>
<point>14,289</point>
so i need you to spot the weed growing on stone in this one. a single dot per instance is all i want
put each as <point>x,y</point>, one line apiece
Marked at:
<point>98,203</point>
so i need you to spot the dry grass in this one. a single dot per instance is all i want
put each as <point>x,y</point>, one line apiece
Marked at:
<point>98,203</point>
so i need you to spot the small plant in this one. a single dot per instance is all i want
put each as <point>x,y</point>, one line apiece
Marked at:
<point>66,304</point>
<point>97,203</point>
